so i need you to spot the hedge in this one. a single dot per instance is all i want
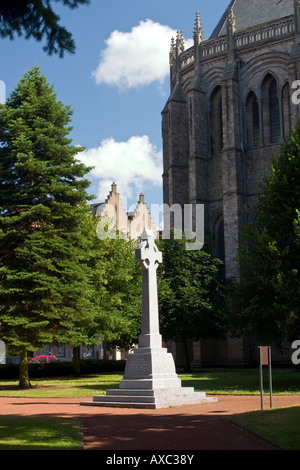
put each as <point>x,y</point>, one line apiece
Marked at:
<point>63,369</point>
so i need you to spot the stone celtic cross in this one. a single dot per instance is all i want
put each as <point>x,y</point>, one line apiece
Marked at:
<point>150,379</point>
<point>149,258</point>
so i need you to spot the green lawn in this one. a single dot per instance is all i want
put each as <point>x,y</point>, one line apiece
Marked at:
<point>281,426</point>
<point>285,381</point>
<point>39,433</point>
<point>62,387</point>
<point>246,381</point>
<point>53,433</point>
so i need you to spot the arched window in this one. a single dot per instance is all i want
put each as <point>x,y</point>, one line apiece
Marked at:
<point>271,110</point>
<point>252,118</point>
<point>218,238</point>
<point>286,111</point>
<point>216,121</point>
<point>274,113</point>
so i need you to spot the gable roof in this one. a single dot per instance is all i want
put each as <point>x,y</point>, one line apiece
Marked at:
<point>249,13</point>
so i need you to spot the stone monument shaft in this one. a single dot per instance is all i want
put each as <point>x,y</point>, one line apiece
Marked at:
<point>149,258</point>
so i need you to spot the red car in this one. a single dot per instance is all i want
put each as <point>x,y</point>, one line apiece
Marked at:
<point>45,359</point>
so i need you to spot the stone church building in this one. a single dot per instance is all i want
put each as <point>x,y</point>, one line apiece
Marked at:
<point>229,110</point>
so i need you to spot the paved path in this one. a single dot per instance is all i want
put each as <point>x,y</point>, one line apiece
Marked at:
<point>196,427</point>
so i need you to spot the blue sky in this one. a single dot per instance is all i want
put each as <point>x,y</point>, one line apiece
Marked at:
<point>117,84</point>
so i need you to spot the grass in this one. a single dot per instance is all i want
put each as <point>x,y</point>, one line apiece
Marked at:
<point>232,381</point>
<point>280,426</point>
<point>39,433</point>
<point>62,387</point>
<point>243,382</point>
<point>55,433</point>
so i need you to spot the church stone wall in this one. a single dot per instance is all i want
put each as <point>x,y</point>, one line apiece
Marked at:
<point>240,62</point>
<point>259,162</point>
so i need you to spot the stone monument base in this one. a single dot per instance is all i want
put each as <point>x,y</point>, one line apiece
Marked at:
<point>151,399</point>
<point>150,381</point>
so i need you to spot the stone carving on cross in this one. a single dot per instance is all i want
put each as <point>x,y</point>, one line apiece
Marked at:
<point>148,254</point>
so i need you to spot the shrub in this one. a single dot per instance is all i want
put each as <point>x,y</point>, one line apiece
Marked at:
<point>62,369</point>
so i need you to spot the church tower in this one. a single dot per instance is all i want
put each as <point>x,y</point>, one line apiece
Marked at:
<point>229,111</point>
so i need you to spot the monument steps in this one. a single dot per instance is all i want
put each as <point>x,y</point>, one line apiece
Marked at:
<point>154,404</point>
<point>152,392</point>
<point>150,398</point>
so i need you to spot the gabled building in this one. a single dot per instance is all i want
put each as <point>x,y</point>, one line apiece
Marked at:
<point>132,224</point>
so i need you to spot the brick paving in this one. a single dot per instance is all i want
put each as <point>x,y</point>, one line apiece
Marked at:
<point>196,427</point>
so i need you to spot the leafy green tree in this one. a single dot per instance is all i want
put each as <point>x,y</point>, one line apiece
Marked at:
<point>191,295</point>
<point>117,280</point>
<point>266,302</point>
<point>36,19</point>
<point>45,286</point>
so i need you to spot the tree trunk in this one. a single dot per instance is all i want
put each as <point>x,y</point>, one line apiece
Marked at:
<point>76,360</point>
<point>24,373</point>
<point>187,365</point>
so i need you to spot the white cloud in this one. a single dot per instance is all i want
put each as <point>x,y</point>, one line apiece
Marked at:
<point>2,92</point>
<point>130,164</point>
<point>136,58</point>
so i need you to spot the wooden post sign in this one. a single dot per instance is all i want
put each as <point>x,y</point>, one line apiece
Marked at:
<point>265,360</point>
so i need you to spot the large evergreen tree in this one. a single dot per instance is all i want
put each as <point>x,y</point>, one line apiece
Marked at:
<point>45,287</point>
<point>267,300</point>
<point>37,19</point>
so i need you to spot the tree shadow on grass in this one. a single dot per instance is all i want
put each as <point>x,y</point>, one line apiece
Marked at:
<point>39,433</point>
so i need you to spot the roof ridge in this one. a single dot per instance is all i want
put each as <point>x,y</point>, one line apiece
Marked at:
<point>249,14</point>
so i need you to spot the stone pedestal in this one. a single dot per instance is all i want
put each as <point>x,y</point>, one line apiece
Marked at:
<point>150,379</point>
